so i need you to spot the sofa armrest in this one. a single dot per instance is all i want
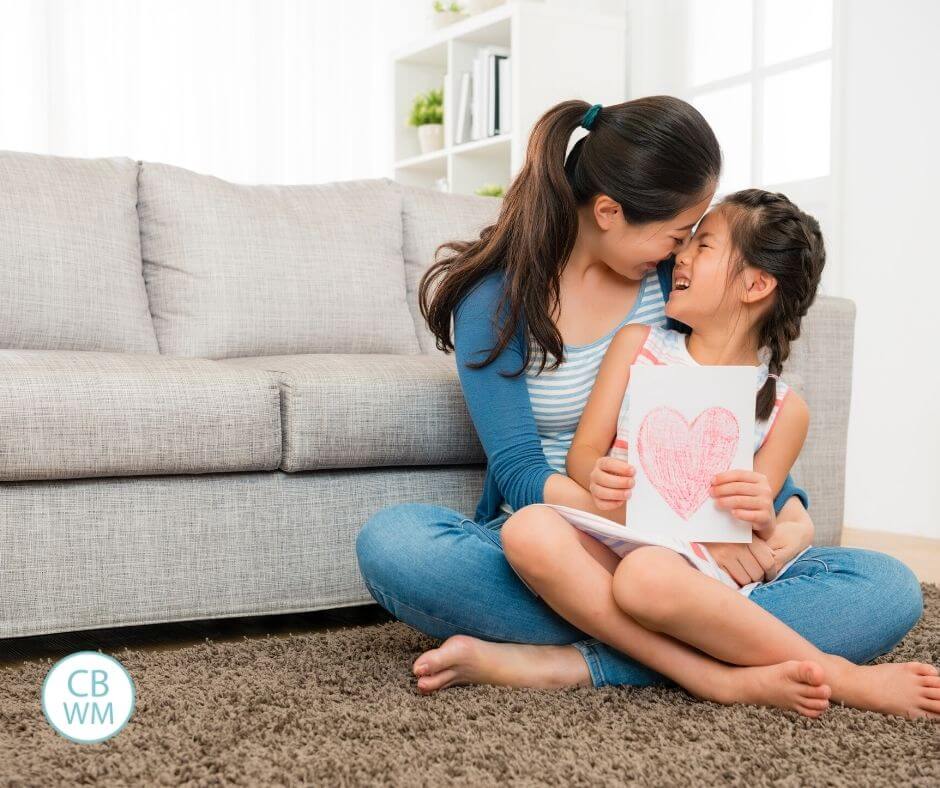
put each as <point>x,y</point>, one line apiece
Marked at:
<point>822,358</point>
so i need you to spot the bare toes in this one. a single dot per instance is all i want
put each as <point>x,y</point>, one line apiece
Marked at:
<point>437,681</point>
<point>821,692</point>
<point>816,704</point>
<point>810,673</point>
<point>811,713</point>
<point>924,669</point>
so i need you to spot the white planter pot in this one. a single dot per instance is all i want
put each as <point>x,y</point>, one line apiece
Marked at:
<point>441,19</point>
<point>431,137</point>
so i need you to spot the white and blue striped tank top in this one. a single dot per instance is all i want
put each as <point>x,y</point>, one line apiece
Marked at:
<point>558,396</point>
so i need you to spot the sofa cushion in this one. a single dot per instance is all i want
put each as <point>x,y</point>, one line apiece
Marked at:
<point>67,415</point>
<point>429,218</point>
<point>357,411</point>
<point>70,269</point>
<point>236,270</point>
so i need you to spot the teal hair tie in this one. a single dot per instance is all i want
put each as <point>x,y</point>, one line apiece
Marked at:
<point>590,117</point>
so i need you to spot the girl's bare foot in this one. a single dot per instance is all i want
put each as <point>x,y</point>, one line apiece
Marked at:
<point>462,659</point>
<point>907,689</point>
<point>792,685</point>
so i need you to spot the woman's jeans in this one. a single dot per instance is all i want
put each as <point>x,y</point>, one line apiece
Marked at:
<point>445,574</point>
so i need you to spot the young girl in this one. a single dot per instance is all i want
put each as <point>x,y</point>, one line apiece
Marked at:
<point>742,284</point>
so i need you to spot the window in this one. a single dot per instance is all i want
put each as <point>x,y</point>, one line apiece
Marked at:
<point>760,71</point>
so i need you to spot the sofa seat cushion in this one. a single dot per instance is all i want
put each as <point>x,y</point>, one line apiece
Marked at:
<point>68,415</point>
<point>238,270</point>
<point>70,269</point>
<point>357,411</point>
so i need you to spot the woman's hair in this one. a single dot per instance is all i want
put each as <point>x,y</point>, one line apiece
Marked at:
<point>654,156</point>
<point>770,233</point>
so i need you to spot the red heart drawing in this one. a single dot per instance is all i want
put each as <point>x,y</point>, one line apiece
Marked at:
<point>681,459</point>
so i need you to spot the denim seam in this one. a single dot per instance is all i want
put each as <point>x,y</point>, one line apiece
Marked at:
<point>787,581</point>
<point>586,649</point>
<point>487,533</point>
<point>373,588</point>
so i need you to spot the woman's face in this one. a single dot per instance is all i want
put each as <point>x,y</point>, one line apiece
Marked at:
<point>701,286</point>
<point>632,250</point>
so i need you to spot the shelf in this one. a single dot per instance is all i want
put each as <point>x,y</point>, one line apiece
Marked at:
<point>429,161</point>
<point>483,144</point>
<point>426,161</point>
<point>490,27</point>
<point>557,53</point>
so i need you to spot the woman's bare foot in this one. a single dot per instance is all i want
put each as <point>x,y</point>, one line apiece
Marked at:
<point>907,689</point>
<point>462,659</point>
<point>799,686</point>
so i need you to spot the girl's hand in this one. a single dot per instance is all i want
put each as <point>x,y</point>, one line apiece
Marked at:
<point>746,563</point>
<point>611,482</point>
<point>747,495</point>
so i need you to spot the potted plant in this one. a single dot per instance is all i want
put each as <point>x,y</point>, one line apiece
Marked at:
<point>490,190</point>
<point>446,14</point>
<point>427,114</point>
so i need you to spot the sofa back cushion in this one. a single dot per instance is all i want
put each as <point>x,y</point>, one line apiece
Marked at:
<point>429,218</point>
<point>236,270</point>
<point>70,269</point>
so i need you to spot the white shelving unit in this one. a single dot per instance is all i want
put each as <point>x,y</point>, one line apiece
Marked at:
<point>556,54</point>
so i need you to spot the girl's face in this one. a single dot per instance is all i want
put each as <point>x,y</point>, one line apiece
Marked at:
<point>701,287</point>
<point>632,250</point>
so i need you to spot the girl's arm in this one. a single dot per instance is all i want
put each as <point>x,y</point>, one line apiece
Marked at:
<point>597,428</point>
<point>500,407</point>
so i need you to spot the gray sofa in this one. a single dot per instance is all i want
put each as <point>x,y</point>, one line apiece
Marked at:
<point>206,388</point>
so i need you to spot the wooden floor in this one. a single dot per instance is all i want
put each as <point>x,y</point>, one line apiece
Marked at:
<point>922,555</point>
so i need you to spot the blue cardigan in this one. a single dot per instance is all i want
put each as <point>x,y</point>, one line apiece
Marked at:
<point>500,408</point>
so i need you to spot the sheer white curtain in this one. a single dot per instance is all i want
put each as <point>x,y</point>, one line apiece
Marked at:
<point>286,91</point>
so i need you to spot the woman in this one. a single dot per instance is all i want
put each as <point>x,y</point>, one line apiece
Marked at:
<point>535,302</point>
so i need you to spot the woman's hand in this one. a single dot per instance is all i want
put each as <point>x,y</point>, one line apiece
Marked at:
<point>746,563</point>
<point>748,497</point>
<point>763,559</point>
<point>611,483</point>
<point>789,539</point>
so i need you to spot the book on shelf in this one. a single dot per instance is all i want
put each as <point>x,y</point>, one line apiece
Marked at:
<point>490,94</point>
<point>462,128</point>
<point>504,95</point>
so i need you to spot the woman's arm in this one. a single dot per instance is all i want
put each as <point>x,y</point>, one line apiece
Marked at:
<point>500,408</point>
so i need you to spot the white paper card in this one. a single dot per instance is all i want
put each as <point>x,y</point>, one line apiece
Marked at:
<point>684,426</point>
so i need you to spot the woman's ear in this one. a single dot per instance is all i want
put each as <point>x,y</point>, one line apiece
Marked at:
<point>758,284</point>
<point>606,212</point>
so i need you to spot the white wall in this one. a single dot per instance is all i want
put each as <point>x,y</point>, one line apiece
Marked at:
<point>890,179</point>
<point>284,91</point>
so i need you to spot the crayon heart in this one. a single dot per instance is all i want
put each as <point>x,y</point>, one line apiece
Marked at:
<point>681,459</point>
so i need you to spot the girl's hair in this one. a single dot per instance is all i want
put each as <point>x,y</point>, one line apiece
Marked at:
<point>770,233</point>
<point>654,156</point>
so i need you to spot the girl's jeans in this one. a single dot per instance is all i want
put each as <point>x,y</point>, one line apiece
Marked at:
<point>445,574</point>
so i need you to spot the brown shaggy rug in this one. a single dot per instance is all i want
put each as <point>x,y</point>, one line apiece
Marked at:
<point>339,708</point>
